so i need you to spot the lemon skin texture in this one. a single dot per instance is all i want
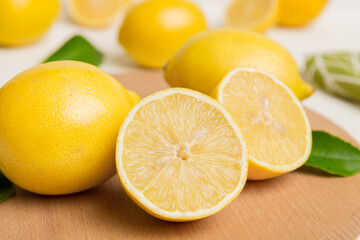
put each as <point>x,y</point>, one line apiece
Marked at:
<point>208,56</point>
<point>58,127</point>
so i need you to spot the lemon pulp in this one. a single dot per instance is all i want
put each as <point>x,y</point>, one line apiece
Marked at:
<point>274,124</point>
<point>181,157</point>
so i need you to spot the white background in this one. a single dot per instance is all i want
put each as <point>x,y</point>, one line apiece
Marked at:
<point>338,28</point>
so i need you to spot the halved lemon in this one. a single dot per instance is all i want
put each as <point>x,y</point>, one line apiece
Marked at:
<point>180,155</point>
<point>95,13</point>
<point>257,15</point>
<point>274,124</point>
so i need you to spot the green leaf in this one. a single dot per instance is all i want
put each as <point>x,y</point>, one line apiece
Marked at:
<point>7,189</point>
<point>79,49</point>
<point>333,155</point>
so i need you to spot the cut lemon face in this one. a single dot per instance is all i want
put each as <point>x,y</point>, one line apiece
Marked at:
<point>274,124</point>
<point>95,13</point>
<point>257,15</point>
<point>180,155</point>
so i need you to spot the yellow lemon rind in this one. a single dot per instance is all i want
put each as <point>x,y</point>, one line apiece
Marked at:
<point>83,20</point>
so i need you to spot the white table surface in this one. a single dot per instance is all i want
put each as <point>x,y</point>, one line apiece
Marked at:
<point>336,29</point>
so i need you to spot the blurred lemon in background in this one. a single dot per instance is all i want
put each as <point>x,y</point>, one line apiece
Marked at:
<point>58,127</point>
<point>207,57</point>
<point>299,12</point>
<point>95,13</point>
<point>335,72</point>
<point>25,21</point>
<point>154,30</point>
<point>257,15</point>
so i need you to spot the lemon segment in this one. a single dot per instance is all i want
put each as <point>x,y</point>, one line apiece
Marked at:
<point>180,155</point>
<point>274,124</point>
<point>256,15</point>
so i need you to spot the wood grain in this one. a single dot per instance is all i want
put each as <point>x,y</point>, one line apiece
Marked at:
<point>305,204</point>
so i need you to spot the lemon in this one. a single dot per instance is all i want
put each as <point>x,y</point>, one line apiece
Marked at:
<point>94,13</point>
<point>257,15</point>
<point>207,57</point>
<point>58,127</point>
<point>25,21</point>
<point>299,13</point>
<point>180,156</point>
<point>154,30</point>
<point>274,124</point>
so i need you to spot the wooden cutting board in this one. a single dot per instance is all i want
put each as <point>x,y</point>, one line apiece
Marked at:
<point>305,204</point>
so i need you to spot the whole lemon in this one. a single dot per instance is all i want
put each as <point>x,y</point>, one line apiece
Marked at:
<point>25,21</point>
<point>298,13</point>
<point>58,127</point>
<point>154,30</point>
<point>207,57</point>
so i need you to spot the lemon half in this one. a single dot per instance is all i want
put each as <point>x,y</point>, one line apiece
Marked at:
<point>274,124</point>
<point>180,155</point>
<point>93,13</point>
<point>257,15</point>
